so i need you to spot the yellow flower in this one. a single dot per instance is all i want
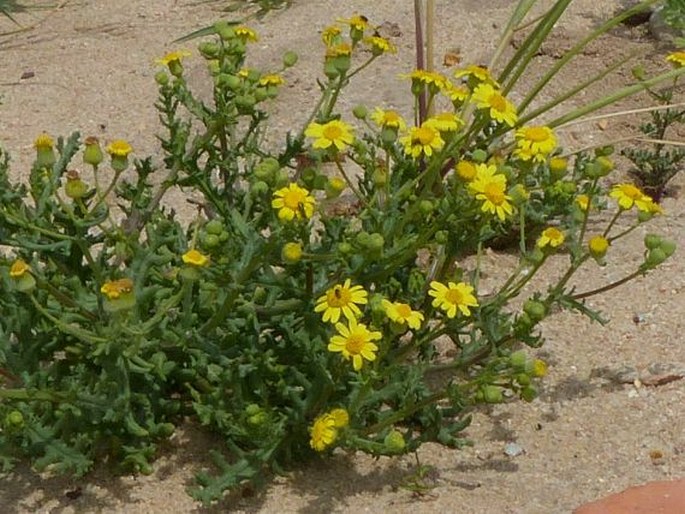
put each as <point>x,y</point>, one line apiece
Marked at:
<point>323,432</point>
<point>356,22</point>
<point>445,122</point>
<point>403,314</point>
<point>173,57</point>
<point>114,289</point>
<point>598,246</point>
<point>422,140</point>
<point>119,148</point>
<point>331,35</point>
<point>244,73</point>
<point>534,143</point>
<point>458,94</point>
<point>195,258</point>
<point>427,78</point>
<point>539,368</point>
<point>339,50</point>
<point>335,133</point>
<point>380,45</point>
<point>453,297</point>
<point>628,195</point>
<point>340,417</point>
<point>552,237</point>
<point>466,170</point>
<point>19,268</point>
<point>355,342</point>
<point>388,119</point>
<point>43,142</point>
<point>677,58</point>
<point>583,202</point>
<point>652,206</point>
<point>490,187</point>
<point>271,79</point>
<point>291,253</point>
<point>341,299</point>
<point>246,34</point>
<point>293,202</point>
<point>485,96</point>
<point>480,73</point>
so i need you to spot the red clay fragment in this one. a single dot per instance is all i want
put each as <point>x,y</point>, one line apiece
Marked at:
<point>665,497</point>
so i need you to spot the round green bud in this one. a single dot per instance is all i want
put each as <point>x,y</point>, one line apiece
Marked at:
<point>426,207</point>
<point>388,135</point>
<point>266,169</point>
<point>536,256</point>
<point>655,257</point>
<point>330,70</point>
<point>261,94</point>
<point>226,33</point>
<point>360,112</point>
<point>363,239</point>
<point>518,359</point>
<point>75,188</point>
<point>668,247</point>
<point>214,226</point>
<point>282,178</point>
<point>376,242</point>
<point>209,49</point>
<point>606,164</point>
<point>479,155</point>
<point>345,248</point>
<point>441,237</point>
<point>394,442</point>
<point>245,103</point>
<point>92,154</point>
<point>652,241</point>
<point>523,379</point>
<point>259,188</point>
<point>604,151</point>
<point>258,419</point>
<point>162,78</point>
<point>528,393</point>
<point>492,394</point>
<point>536,310</point>
<point>252,409</point>
<point>380,177</point>
<point>334,186</point>
<point>210,241</point>
<point>289,59</point>
<point>259,294</point>
<point>232,82</point>
<point>15,419</point>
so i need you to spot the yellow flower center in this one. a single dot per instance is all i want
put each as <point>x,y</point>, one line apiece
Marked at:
<point>454,296</point>
<point>355,344</point>
<point>339,297</point>
<point>536,134</point>
<point>331,132</point>
<point>493,192</point>
<point>403,310</point>
<point>466,170</point>
<point>631,191</point>
<point>424,135</point>
<point>293,199</point>
<point>391,118</point>
<point>498,102</point>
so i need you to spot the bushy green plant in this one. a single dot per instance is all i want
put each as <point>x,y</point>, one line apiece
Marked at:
<point>327,293</point>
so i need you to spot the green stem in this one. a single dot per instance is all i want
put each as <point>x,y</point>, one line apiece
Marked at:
<point>79,333</point>
<point>607,287</point>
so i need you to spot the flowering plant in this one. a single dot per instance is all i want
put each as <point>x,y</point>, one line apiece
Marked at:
<point>326,295</point>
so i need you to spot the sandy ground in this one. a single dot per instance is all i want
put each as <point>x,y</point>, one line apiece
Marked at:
<point>587,435</point>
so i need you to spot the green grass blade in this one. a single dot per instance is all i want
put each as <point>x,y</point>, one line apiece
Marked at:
<point>206,31</point>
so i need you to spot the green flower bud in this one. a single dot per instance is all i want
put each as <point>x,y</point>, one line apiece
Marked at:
<point>668,247</point>
<point>210,241</point>
<point>492,394</point>
<point>536,310</point>
<point>376,242</point>
<point>266,169</point>
<point>426,207</point>
<point>360,112</point>
<point>258,419</point>
<point>259,294</point>
<point>245,104</point>
<point>252,409</point>
<point>330,70</point>
<point>259,188</point>
<point>14,419</point>
<point>162,78</point>
<point>606,164</point>
<point>518,359</point>
<point>281,179</point>
<point>598,246</point>
<point>334,186</point>
<point>652,241</point>
<point>261,94</point>
<point>523,379</point>
<point>479,155</point>
<point>394,442</point>
<point>441,237</point>
<point>528,393</point>
<point>209,49</point>
<point>558,166</point>
<point>536,256</point>
<point>388,135</point>
<point>226,33</point>
<point>291,253</point>
<point>232,82</point>
<point>380,177</point>
<point>93,153</point>
<point>75,187</point>
<point>214,227</point>
<point>289,59</point>
<point>345,248</point>
<point>604,151</point>
<point>655,257</point>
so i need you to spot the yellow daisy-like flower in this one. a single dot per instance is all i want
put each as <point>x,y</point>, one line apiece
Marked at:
<point>466,170</point>
<point>388,119</point>
<point>119,148</point>
<point>271,79</point>
<point>456,93</point>
<point>445,122</point>
<point>114,289</point>
<point>583,202</point>
<point>331,35</point>
<point>486,97</point>
<point>453,297</point>
<point>246,34</point>
<point>173,57</point>
<point>427,78</point>
<point>335,133</point>
<point>339,50</point>
<point>19,268</point>
<point>598,246</point>
<point>341,417</point>
<point>403,314</point>
<point>293,202</point>
<point>628,195</point>
<point>355,342</point>
<point>380,45</point>
<point>425,140</point>
<point>341,299</point>
<point>652,206</point>
<point>677,58</point>
<point>323,432</point>
<point>195,258</point>
<point>480,73</point>
<point>552,237</point>
<point>43,142</point>
<point>534,143</point>
<point>490,187</point>
<point>356,22</point>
